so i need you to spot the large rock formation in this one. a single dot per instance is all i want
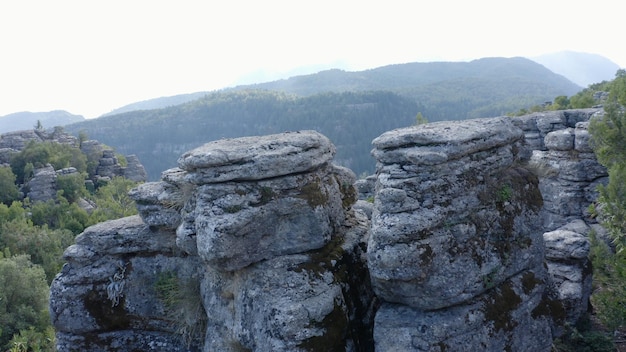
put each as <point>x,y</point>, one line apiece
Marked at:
<point>261,227</point>
<point>260,244</point>
<point>558,150</point>
<point>456,250</point>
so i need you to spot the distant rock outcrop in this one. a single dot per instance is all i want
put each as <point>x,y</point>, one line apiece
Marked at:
<point>42,186</point>
<point>558,150</point>
<point>260,244</point>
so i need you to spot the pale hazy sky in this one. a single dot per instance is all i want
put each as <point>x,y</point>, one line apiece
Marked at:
<point>90,57</point>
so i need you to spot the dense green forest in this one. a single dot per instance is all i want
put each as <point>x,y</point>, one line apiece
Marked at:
<point>33,236</point>
<point>350,119</point>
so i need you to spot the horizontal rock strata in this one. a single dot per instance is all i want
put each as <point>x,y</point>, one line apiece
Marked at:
<point>454,230</point>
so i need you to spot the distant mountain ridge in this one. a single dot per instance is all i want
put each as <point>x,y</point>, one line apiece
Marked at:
<point>581,68</point>
<point>400,78</point>
<point>444,90</point>
<point>351,108</point>
<point>28,120</point>
<point>157,103</point>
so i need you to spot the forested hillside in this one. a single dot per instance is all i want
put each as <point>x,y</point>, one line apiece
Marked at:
<point>445,90</point>
<point>350,119</point>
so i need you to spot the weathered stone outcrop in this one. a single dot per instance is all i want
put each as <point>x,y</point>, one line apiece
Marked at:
<point>567,259</point>
<point>42,186</point>
<point>105,298</point>
<point>557,146</point>
<point>456,251</point>
<point>261,225</point>
<point>260,244</point>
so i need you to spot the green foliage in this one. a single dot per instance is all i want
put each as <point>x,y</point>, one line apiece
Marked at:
<point>44,246</point>
<point>560,103</point>
<point>32,340</point>
<point>608,135</point>
<point>60,215</point>
<point>112,200</point>
<point>23,298</point>
<point>8,190</point>
<point>609,297</point>
<point>583,338</point>
<point>183,304</point>
<point>612,205</point>
<point>420,119</point>
<point>39,154</point>
<point>72,186</point>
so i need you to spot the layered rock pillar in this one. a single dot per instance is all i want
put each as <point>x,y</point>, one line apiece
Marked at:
<point>456,249</point>
<point>250,244</point>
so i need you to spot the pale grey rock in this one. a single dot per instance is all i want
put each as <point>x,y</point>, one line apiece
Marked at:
<point>237,224</point>
<point>582,138</point>
<point>279,265</point>
<point>42,186</point>
<point>514,316</point>
<point>567,260</point>
<point>126,235</point>
<point>284,257</point>
<point>256,158</point>
<point>66,171</point>
<point>6,154</point>
<point>564,244</point>
<point>299,302</point>
<point>537,126</point>
<point>125,340</point>
<point>108,165</point>
<point>158,203</point>
<point>110,288</point>
<point>365,207</point>
<point>560,140</point>
<point>134,170</point>
<point>445,233</point>
<point>568,178</point>
<point>436,143</point>
<point>366,187</point>
<point>19,139</point>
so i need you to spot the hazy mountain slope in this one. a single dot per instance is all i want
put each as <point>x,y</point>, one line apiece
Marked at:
<point>159,137</point>
<point>157,103</point>
<point>28,120</point>
<point>445,90</point>
<point>351,108</point>
<point>581,68</point>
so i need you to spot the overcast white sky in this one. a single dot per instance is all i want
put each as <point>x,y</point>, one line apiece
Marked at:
<point>90,57</point>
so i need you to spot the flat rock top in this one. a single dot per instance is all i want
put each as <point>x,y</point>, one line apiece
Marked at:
<point>489,132</point>
<point>253,158</point>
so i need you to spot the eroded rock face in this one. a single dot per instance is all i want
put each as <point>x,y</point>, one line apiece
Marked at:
<point>270,241</point>
<point>558,149</point>
<point>455,234</point>
<point>42,186</point>
<point>567,259</point>
<point>271,250</point>
<point>107,296</point>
